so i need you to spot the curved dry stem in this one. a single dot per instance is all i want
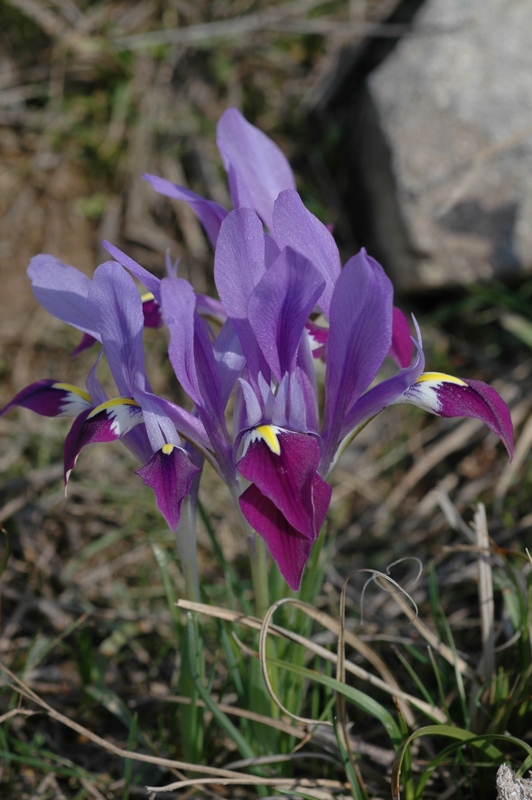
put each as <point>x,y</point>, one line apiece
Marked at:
<point>293,784</point>
<point>388,684</point>
<point>264,667</point>
<point>377,575</point>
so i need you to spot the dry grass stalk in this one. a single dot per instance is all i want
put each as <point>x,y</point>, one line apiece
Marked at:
<point>331,624</point>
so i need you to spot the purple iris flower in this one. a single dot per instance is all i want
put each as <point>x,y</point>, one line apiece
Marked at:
<point>285,300</point>
<point>110,308</point>
<point>280,447</point>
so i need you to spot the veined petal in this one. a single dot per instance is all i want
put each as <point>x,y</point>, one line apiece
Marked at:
<point>283,466</point>
<point>62,290</point>
<point>209,213</point>
<point>239,265</point>
<point>280,306</point>
<point>105,423</point>
<point>295,226</point>
<point>116,306</point>
<point>229,357</point>
<point>179,304</point>
<point>257,168</point>
<point>240,260</point>
<point>169,473</point>
<point>51,398</point>
<point>447,396</point>
<point>360,335</point>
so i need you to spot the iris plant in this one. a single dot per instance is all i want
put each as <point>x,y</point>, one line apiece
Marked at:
<point>284,301</point>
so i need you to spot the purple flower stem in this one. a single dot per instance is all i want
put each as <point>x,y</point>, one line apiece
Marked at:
<point>187,547</point>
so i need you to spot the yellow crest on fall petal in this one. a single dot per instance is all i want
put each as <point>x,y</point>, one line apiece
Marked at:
<point>67,387</point>
<point>268,433</point>
<point>440,377</point>
<point>114,403</point>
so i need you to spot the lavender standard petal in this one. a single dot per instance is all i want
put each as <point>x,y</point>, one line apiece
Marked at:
<point>294,226</point>
<point>280,306</point>
<point>257,168</point>
<point>62,290</point>
<point>359,339</point>
<point>116,307</point>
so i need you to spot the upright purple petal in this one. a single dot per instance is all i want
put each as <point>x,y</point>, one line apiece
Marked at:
<point>257,168</point>
<point>62,290</point>
<point>359,338</point>
<point>294,226</point>
<point>280,306</point>
<point>230,359</point>
<point>239,265</point>
<point>209,213</point>
<point>239,262</point>
<point>116,307</point>
<point>169,473</point>
<point>192,357</point>
<point>179,304</point>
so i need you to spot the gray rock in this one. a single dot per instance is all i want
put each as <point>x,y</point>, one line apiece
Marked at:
<point>454,103</point>
<point>510,787</point>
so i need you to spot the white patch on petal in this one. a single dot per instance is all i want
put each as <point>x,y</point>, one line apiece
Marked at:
<point>74,402</point>
<point>122,413</point>
<point>424,392</point>
<point>314,343</point>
